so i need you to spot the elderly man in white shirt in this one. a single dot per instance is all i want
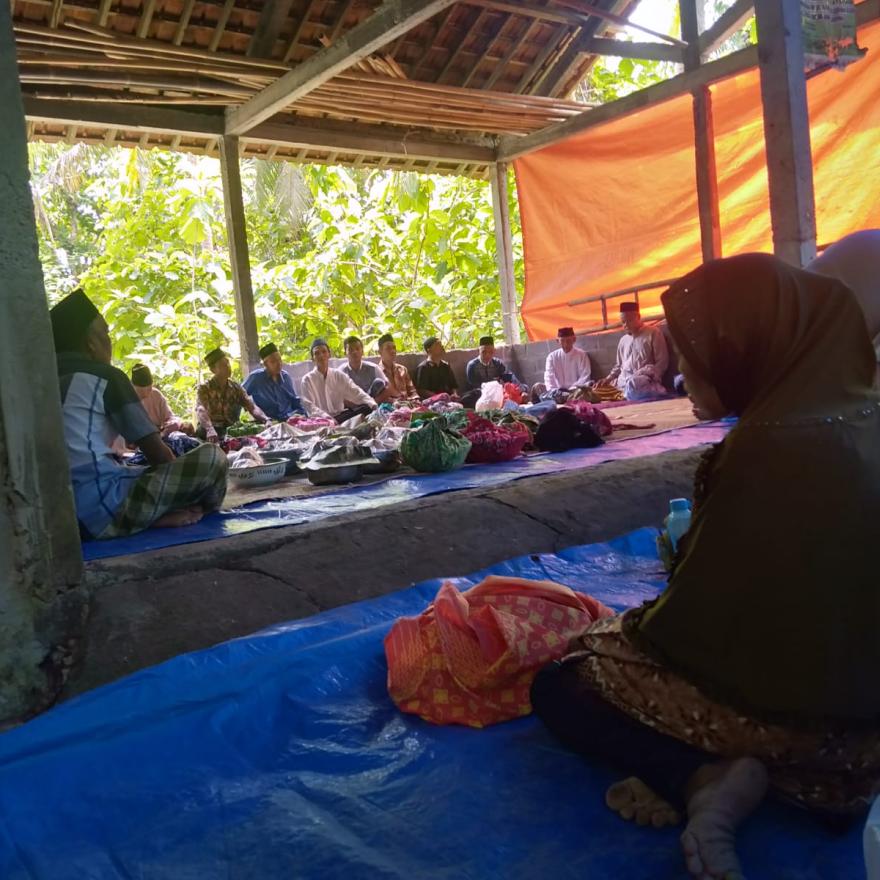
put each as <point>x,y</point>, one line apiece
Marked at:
<point>642,358</point>
<point>328,393</point>
<point>565,369</point>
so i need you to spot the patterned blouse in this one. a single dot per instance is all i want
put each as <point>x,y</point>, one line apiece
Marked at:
<point>220,406</point>
<point>399,382</point>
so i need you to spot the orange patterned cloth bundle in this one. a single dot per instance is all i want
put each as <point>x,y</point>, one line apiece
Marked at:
<point>470,658</point>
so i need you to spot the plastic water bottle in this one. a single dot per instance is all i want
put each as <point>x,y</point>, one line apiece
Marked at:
<point>678,521</point>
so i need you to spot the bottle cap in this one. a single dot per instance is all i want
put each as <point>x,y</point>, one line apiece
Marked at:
<point>679,504</point>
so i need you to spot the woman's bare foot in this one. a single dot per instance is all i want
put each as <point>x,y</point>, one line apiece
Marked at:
<point>187,516</point>
<point>632,800</point>
<point>720,797</point>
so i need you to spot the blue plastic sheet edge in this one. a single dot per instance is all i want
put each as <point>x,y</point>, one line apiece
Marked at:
<point>294,511</point>
<point>280,755</point>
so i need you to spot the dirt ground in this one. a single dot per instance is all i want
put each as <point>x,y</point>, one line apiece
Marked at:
<point>154,606</point>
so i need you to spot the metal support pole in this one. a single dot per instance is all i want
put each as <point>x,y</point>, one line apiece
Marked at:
<point>236,233</point>
<point>504,253</point>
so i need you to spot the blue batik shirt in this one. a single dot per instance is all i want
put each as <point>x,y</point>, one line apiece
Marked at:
<point>277,399</point>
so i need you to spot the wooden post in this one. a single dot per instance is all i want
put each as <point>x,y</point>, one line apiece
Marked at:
<point>236,233</point>
<point>40,555</point>
<point>504,252</point>
<point>704,135</point>
<point>787,129</point>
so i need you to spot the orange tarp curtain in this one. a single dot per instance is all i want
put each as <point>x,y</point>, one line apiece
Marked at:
<point>616,206</point>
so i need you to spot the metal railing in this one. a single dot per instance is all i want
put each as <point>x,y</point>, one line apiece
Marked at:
<point>603,298</point>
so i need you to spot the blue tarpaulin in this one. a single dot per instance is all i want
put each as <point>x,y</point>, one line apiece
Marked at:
<point>293,511</point>
<point>281,756</point>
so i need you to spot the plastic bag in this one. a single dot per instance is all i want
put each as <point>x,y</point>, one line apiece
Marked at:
<point>247,457</point>
<point>491,396</point>
<point>434,447</point>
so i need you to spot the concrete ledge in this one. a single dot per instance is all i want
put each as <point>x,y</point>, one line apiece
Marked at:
<point>154,606</point>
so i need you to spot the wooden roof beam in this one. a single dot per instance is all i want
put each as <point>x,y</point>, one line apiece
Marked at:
<point>183,22</point>
<point>626,49</point>
<point>511,147</point>
<point>558,71</point>
<point>374,140</point>
<point>575,13</point>
<point>143,28</point>
<point>300,27</point>
<point>220,29</point>
<point>556,39</point>
<point>272,19</point>
<point>311,134</point>
<point>393,18</point>
<point>131,117</point>
<point>729,22</point>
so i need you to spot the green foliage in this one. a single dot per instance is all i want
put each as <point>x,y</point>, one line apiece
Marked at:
<point>334,251</point>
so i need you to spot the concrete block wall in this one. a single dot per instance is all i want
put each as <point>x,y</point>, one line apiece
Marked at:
<point>526,360</point>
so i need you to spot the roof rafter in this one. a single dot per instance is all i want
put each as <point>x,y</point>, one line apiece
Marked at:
<point>272,20</point>
<point>392,19</point>
<point>511,147</point>
<point>627,49</point>
<point>728,23</point>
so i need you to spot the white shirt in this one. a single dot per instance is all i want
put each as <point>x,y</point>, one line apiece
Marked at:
<point>327,396</point>
<point>645,354</point>
<point>567,369</point>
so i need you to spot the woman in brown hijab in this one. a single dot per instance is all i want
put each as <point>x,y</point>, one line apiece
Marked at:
<point>764,649</point>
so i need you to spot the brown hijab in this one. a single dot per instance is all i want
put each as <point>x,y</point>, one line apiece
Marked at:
<point>774,605</point>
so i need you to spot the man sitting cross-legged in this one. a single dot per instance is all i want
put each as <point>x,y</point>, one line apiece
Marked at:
<point>272,388</point>
<point>219,401</point>
<point>329,393</point>
<point>365,374</point>
<point>99,403</point>
<point>642,358</point>
<point>400,386</point>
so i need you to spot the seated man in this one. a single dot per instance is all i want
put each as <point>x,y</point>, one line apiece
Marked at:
<point>487,368</point>
<point>366,375</point>
<point>329,393</point>
<point>565,370</point>
<point>272,388</point>
<point>642,358</point>
<point>155,404</point>
<point>98,403</point>
<point>400,386</point>
<point>219,401</point>
<point>434,375</point>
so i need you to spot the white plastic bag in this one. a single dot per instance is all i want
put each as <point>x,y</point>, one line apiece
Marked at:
<point>491,396</point>
<point>245,458</point>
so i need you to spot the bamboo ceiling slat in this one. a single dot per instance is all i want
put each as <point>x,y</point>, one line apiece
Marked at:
<point>197,53</point>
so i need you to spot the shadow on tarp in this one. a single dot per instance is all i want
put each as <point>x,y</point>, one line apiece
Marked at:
<point>294,511</point>
<point>281,756</point>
